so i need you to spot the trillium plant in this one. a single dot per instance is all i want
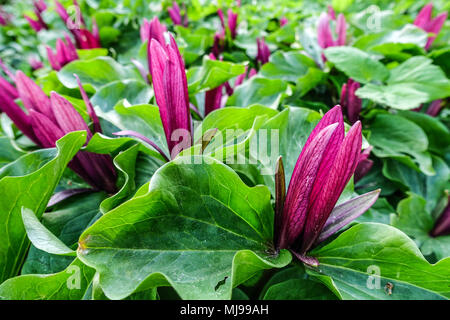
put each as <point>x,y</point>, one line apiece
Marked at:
<point>226,150</point>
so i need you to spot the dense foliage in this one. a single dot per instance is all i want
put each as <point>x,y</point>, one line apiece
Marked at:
<point>224,149</point>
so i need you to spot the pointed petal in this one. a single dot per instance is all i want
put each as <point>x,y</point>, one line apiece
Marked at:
<point>32,95</point>
<point>280,196</point>
<point>310,261</point>
<point>213,99</point>
<point>442,225</point>
<point>340,173</point>
<point>341,29</point>
<point>324,35</point>
<point>45,129</point>
<point>52,59</point>
<point>424,16</point>
<point>346,212</point>
<point>66,116</point>
<point>16,114</point>
<point>8,89</point>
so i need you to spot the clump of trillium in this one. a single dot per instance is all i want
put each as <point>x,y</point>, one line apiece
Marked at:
<point>428,24</point>
<point>308,214</point>
<point>325,37</point>
<point>65,53</point>
<point>84,38</point>
<point>39,23</point>
<point>175,15</point>
<point>442,225</point>
<point>220,36</point>
<point>49,119</point>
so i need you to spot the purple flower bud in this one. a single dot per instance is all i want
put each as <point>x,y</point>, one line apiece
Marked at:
<point>175,15</point>
<point>435,107</point>
<point>283,21</point>
<point>35,63</point>
<point>171,94</point>
<point>39,5</point>
<point>331,13</point>
<point>263,53</point>
<point>213,97</point>
<point>324,167</point>
<point>155,31</point>
<point>426,23</point>
<point>232,23</point>
<point>65,53</point>
<point>37,24</point>
<point>325,35</point>
<point>8,89</point>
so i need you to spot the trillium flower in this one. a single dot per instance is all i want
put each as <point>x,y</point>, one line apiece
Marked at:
<point>171,94</point>
<point>48,120</point>
<point>263,51</point>
<point>349,101</point>
<point>239,79</point>
<point>175,15</point>
<point>325,35</point>
<point>84,38</point>
<point>308,214</point>
<point>442,225</point>
<point>231,22</point>
<point>65,53</point>
<point>37,24</point>
<point>40,5</point>
<point>426,23</point>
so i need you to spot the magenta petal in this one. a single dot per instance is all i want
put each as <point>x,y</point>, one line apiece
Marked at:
<point>346,212</point>
<point>32,95</point>
<point>16,114</point>
<point>331,12</point>
<point>434,108</point>
<point>340,173</point>
<point>424,16</point>
<point>45,129</point>
<point>8,89</point>
<point>66,116</point>
<point>354,103</point>
<point>52,59</point>
<point>222,19</point>
<point>301,185</point>
<point>213,99</point>
<point>324,35</point>
<point>435,27</point>
<point>341,29</point>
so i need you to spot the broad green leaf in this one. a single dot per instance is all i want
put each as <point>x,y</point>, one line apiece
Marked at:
<point>257,90</point>
<point>413,82</point>
<point>95,72</point>
<point>66,220</point>
<point>133,91</point>
<point>188,223</point>
<point>431,188</point>
<point>8,152</point>
<point>87,54</point>
<point>357,64</point>
<point>287,66</point>
<point>212,74</point>
<point>416,221</point>
<point>69,284</point>
<point>396,137</point>
<point>294,284</point>
<point>41,237</point>
<point>29,182</point>
<point>364,259</point>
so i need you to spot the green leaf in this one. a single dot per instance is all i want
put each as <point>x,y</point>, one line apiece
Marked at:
<point>133,91</point>
<point>352,259</point>
<point>416,221</point>
<point>294,284</point>
<point>357,64</point>
<point>212,74</point>
<point>288,66</point>
<point>70,284</point>
<point>259,90</point>
<point>66,220</point>
<point>188,223</point>
<point>96,72</point>
<point>29,182</point>
<point>396,137</point>
<point>41,237</point>
<point>413,82</point>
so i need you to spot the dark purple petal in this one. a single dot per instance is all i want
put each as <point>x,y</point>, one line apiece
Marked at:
<point>434,108</point>
<point>65,194</point>
<point>45,129</point>
<point>442,225</point>
<point>143,138</point>
<point>346,212</point>
<point>8,88</point>
<point>340,173</point>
